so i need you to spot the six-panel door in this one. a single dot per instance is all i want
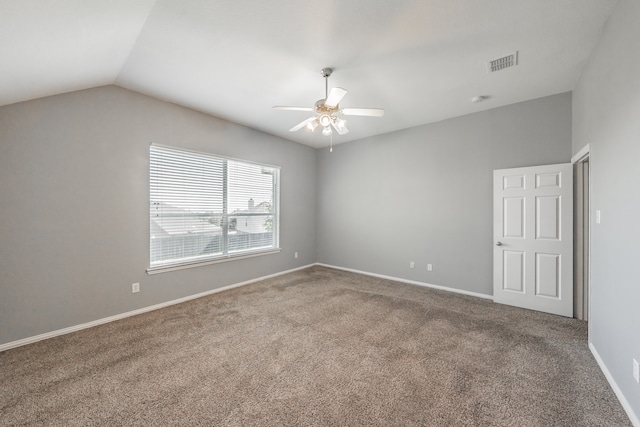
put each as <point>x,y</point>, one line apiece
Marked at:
<point>533,238</point>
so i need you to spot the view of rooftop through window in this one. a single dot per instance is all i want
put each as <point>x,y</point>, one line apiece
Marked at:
<point>204,207</point>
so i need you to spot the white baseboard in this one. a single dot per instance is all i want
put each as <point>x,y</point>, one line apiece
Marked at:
<point>70,329</point>
<point>412,282</point>
<point>623,401</point>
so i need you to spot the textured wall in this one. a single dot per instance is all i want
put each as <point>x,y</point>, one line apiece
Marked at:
<point>606,115</point>
<point>425,194</point>
<point>74,198</point>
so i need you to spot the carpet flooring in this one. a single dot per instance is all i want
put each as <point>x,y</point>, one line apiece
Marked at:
<point>317,347</point>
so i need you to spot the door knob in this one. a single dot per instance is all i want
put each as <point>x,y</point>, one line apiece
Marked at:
<point>499,244</point>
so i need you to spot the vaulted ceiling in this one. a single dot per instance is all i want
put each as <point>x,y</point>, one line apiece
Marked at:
<point>421,60</point>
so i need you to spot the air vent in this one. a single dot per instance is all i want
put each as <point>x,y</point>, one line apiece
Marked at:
<point>507,61</point>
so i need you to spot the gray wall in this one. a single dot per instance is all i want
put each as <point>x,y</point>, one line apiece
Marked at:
<point>74,200</point>
<point>425,194</point>
<point>606,115</point>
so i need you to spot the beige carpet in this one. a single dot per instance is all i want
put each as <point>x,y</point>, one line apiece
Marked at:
<point>315,347</point>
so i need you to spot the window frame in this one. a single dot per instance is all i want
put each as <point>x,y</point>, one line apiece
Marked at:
<point>226,255</point>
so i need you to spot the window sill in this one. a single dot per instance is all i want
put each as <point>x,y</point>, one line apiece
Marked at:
<point>182,266</point>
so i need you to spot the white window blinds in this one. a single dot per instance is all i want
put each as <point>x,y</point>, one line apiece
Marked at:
<point>205,208</point>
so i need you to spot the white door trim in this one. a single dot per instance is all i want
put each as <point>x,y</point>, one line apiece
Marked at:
<point>582,154</point>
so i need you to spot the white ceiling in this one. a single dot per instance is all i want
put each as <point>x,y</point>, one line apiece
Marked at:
<point>420,60</point>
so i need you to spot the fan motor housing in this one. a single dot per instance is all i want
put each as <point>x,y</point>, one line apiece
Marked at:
<point>322,108</point>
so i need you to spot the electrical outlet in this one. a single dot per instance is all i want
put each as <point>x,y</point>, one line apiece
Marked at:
<point>636,371</point>
<point>135,287</point>
<point>429,267</point>
<point>295,254</point>
<point>412,264</point>
<point>598,216</point>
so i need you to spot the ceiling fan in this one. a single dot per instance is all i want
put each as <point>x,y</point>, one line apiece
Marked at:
<point>327,110</point>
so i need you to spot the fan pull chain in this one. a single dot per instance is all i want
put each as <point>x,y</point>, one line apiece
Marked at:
<point>331,141</point>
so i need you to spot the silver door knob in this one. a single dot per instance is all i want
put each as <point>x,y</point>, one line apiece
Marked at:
<point>499,244</point>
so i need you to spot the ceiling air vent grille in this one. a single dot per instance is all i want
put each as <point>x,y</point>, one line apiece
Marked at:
<point>507,61</point>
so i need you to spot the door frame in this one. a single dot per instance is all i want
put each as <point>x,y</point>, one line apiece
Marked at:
<point>582,235</point>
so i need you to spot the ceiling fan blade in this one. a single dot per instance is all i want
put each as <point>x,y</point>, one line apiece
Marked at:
<point>335,96</point>
<point>373,112</point>
<point>341,129</point>
<point>302,124</point>
<point>279,107</point>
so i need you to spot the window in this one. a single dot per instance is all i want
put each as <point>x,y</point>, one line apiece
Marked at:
<point>206,208</point>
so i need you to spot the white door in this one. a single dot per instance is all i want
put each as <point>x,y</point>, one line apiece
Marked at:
<point>533,238</point>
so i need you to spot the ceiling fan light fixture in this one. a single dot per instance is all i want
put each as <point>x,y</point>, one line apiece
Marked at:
<point>341,124</point>
<point>312,125</point>
<point>327,109</point>
<point>325,120</point>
